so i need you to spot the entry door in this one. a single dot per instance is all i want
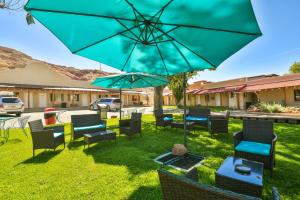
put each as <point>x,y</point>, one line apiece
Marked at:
<point>42,100</point>
<point>84,100</point>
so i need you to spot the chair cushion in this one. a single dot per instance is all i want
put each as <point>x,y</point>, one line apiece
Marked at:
<point>89,127</point>
<point>58,134</point>
<point>254,147</point>
<point>168,118</point>
<point>190,118</point>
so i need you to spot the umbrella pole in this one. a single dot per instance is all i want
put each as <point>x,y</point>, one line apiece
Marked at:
<point>120,109</point>
<point>184,110</point>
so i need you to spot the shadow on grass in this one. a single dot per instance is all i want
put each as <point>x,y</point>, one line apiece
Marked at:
<point>40,158</point>
<point>146,192</point>
<point>75,145</point>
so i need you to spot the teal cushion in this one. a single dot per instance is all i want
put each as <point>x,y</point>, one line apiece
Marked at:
<point>89,127</point>
<point>254,147</point>
<point>58,134</point>
<point>168,118</point>
<point>190,118</point>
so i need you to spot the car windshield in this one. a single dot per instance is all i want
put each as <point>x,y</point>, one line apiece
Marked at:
<point>105,100</point>
<point>10,100</point>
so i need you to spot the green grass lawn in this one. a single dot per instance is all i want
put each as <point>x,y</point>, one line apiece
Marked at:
<point>126,170</point>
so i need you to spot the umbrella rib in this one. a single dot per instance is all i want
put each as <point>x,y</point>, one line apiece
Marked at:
<point>160,55</point>
<point>165,33</point>
<point>187,62</point>
<point>127,28</point>
<point>211,29</point>
<point>134,9</point>
<point>82,14</point>
<point>153,26</point>
<point>147,82</point>
<point>102,40</point>
<point>188,48</point>
<point>119,79</point>
<point>130,37</point>
<point>162,9</point>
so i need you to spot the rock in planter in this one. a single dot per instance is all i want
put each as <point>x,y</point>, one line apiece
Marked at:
<point>179,150</point>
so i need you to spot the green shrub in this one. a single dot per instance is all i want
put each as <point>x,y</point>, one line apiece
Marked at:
<point>271,108</point>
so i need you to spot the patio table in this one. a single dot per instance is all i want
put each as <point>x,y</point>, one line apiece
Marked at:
<point>229,179</point>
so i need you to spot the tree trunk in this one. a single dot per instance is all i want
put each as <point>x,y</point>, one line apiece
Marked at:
<point>158,97</point>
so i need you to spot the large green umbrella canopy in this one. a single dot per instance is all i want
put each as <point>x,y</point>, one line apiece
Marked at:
<point>156,37</point>
<point>162,37</point>
<point>129,81</point>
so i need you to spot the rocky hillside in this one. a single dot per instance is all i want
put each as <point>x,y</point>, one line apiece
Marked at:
<point>11,58</point>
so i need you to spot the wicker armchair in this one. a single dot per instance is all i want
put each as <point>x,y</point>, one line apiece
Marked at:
<point>219,124</point>
<point>46,137</point>
<point>162,119</point>
<point>175,187</point>
<point>259,133</point>
<point>198,113</point>
<point>131,126</point>
<point>90,123</point>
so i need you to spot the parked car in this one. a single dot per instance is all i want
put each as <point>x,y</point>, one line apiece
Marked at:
<point>108,103</point>
<point>11,105</point>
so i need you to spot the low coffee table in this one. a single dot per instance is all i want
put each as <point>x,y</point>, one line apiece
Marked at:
<point>91,138</point>
<point>229,179</point>
<point>189,125</point>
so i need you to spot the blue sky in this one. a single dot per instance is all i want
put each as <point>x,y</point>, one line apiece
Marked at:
<point>274,52</point>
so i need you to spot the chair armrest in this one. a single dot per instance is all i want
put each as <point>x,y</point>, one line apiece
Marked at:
<point>103,122</point>
<point>56,128</point>
<point>275,194</point>
<point>273,142</point>
<point>237,137</point>
<point>124,122</point>
<point>43,135</point>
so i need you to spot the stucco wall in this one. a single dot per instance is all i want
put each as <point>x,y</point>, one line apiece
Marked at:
<point>272,96</point>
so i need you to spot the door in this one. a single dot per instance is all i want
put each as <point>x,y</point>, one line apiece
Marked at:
<point>84,101</point>
<point>42,100</point>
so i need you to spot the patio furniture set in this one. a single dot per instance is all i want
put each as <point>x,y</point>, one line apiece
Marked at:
<point>90,126</point>
<point>254,151</point>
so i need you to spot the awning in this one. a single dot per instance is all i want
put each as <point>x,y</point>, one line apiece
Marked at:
<point>267,86</point>
<point>223,89</point>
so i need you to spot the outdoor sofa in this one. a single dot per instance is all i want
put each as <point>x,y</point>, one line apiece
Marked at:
<point>256,142</point>
<point>175,187</point>
<point>89,123</point>
<point>46,137</point>
<point>131,126</point>
<point>218,124</point>
<point>162,119</point>
<point>199,116</point>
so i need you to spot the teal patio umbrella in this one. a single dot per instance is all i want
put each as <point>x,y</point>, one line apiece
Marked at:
<point>130,81</point>
<point>162,37</point>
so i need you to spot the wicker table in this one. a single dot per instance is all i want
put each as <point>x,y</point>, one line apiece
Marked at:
<point>91,138</point>
<point>249,184</point>
<point>189,125</point>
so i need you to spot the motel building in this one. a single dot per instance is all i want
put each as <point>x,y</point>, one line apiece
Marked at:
<point>242,92</point>
<point>39,86</point>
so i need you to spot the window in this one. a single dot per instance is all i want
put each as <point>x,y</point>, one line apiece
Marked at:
<point>297,95</point>
<point>76,97</point>
<point>69,97</point>
<point>62,97</point>
<point>231,95</point>
<point>206,97</point>
<point>117,101</point>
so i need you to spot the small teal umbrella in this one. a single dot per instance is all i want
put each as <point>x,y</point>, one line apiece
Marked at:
<point>129,81</point>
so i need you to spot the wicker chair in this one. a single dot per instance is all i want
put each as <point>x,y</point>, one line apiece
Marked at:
<point>219,124</point>
<point>175,187</point>
<point>46,137</point>
<point>131,126</point>
<point>162,119</point>
<point>198,113</point>
<point>90,123</point>
<point>261,133</point>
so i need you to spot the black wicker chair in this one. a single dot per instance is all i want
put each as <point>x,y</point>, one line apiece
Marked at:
<point>89,123</point>
<point>175,187</point>
<point>162,119</point>
<point>131,126</point>
<point>218,124</point>
<point>260,133</point>
<point>194,114</point>
<point>46,137</point>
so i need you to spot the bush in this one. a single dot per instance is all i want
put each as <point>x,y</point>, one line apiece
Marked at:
<point>271,108</point>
